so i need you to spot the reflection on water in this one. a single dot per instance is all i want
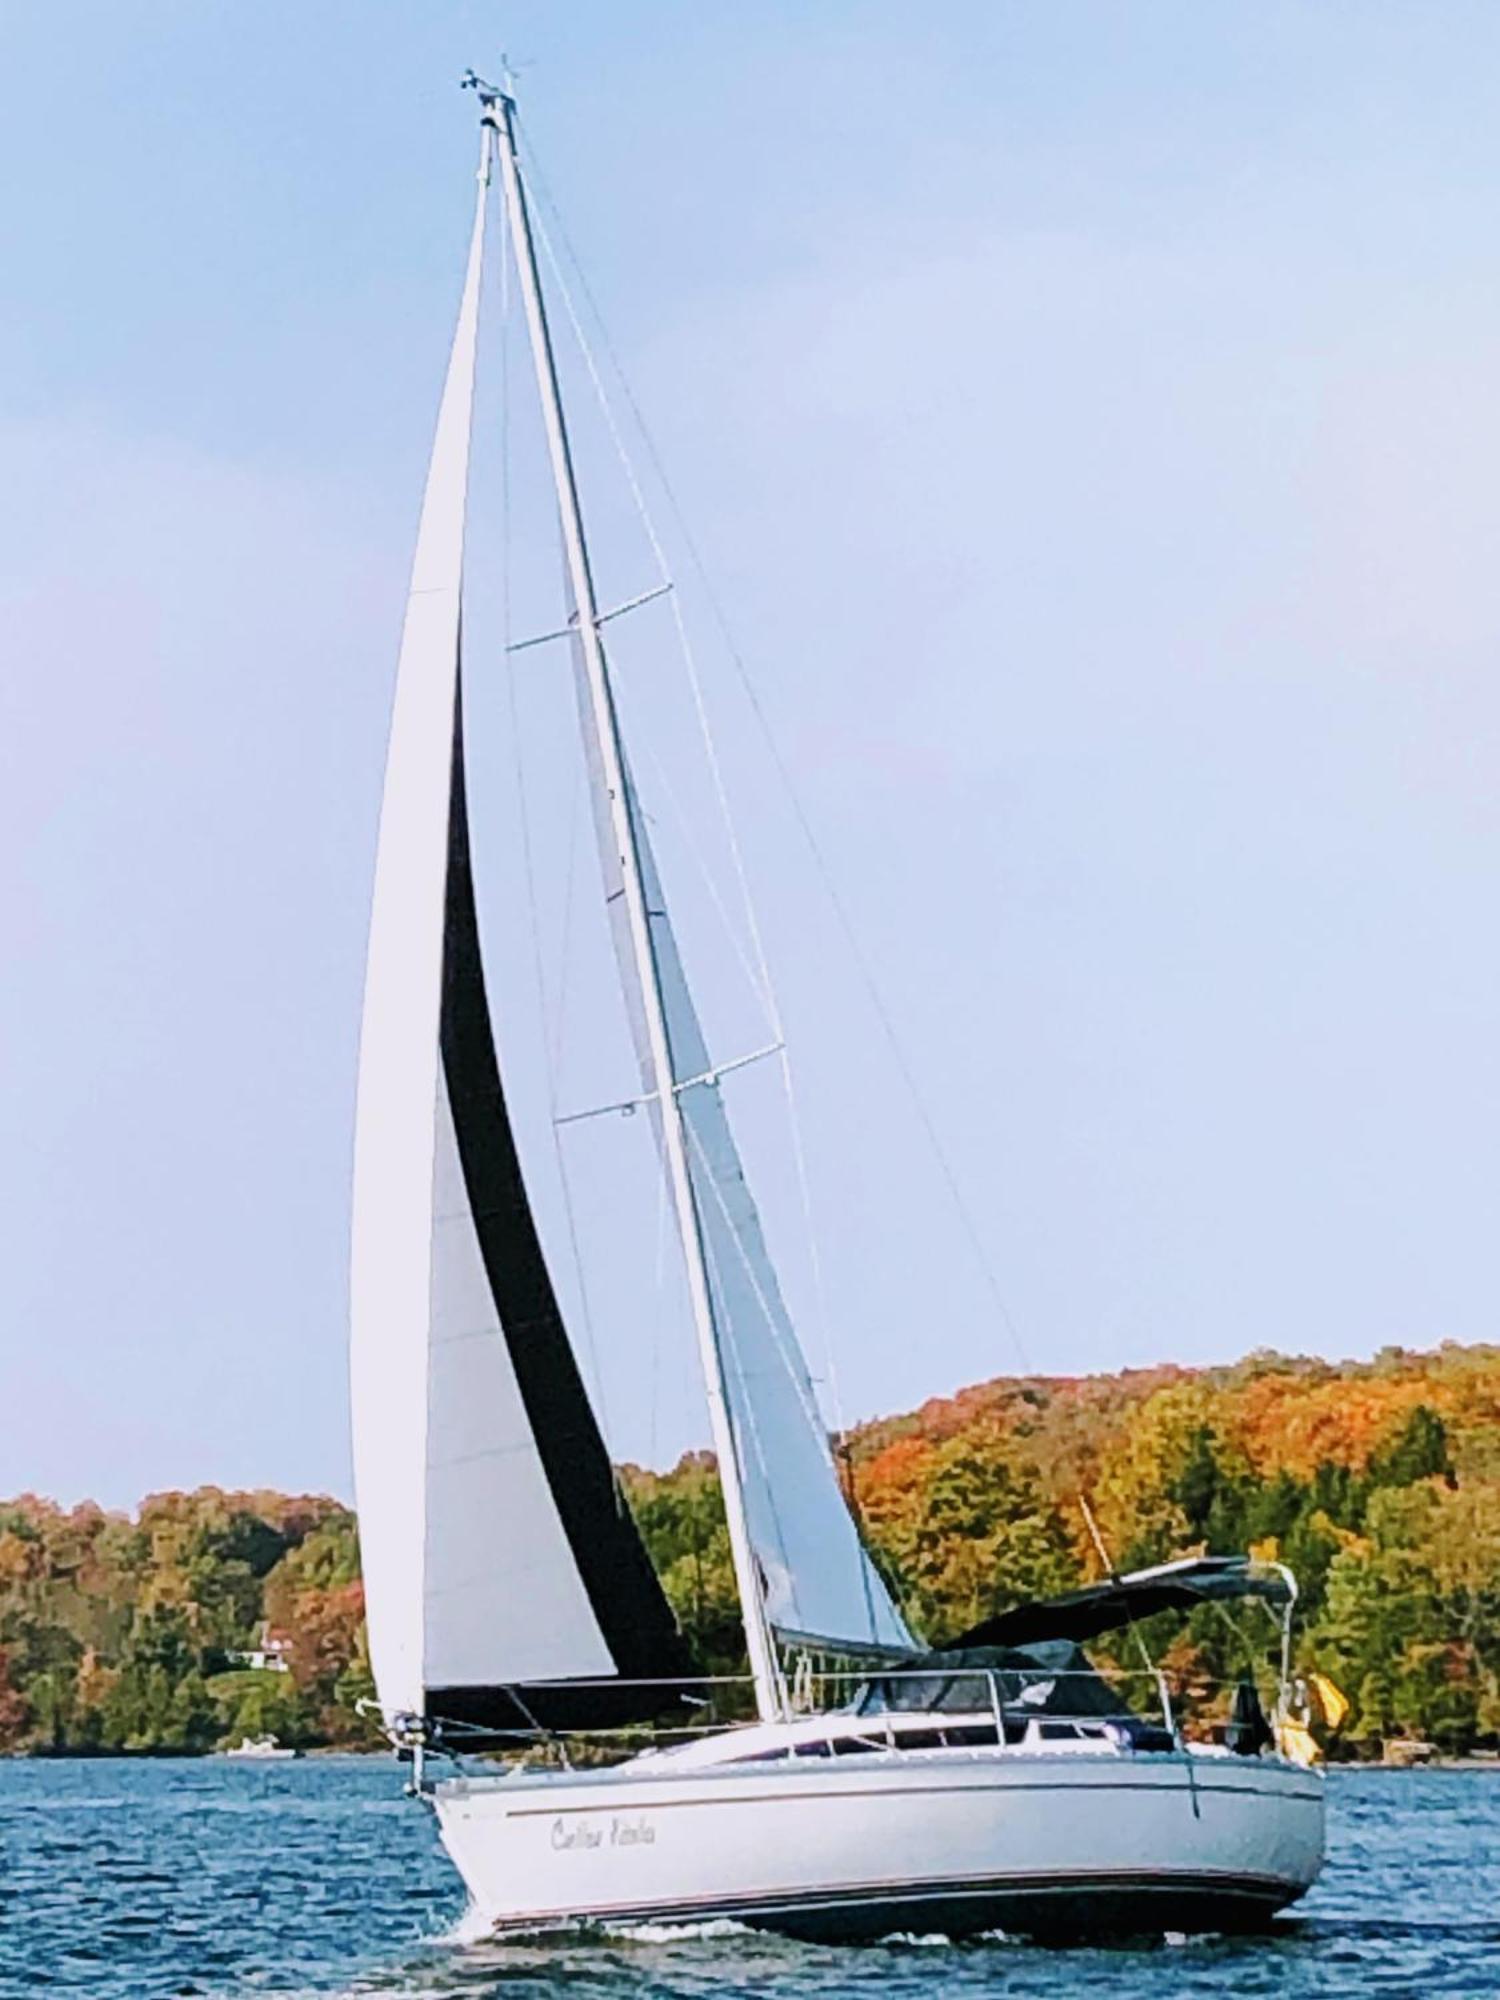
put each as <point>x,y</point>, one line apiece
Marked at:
<point>139,1881</point>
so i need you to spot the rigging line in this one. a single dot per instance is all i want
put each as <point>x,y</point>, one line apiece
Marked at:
<point>815,1262</point>
<point>1101,1548</point>
<point>766,985</point>
<point>877,1003</point>
<point>759,974</point>
<point>742,673</point>
<point>684,828</point>
<point>843,1457</point>
<point>1242,1639</point>
<point>545,1012</point>
<point>658,1318</point>
<point>822,1316</point>
<point>559,1024</point>
<point>779,1047</point>
<point>820,862</point>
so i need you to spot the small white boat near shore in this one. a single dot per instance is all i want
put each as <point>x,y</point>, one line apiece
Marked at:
<point>1001,1782</point>
<point>260,1749</point>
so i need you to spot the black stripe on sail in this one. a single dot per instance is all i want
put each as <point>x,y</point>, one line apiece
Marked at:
<point>616,1573</point>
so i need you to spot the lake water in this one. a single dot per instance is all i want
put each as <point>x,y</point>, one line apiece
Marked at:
<point>139,1881</point>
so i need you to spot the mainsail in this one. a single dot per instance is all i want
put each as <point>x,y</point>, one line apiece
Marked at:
<point>505,1580</point>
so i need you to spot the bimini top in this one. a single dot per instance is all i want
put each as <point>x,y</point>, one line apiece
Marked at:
<point>1104,1607</point>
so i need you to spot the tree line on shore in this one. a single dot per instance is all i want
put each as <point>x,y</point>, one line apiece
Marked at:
<point>209,1616</point>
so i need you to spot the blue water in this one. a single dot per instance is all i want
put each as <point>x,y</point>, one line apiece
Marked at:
<point>129,1881</point>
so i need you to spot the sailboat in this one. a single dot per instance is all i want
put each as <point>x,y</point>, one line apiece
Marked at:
<point>999,1782</point>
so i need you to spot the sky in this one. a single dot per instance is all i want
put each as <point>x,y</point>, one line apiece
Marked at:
<point>1087,417</point>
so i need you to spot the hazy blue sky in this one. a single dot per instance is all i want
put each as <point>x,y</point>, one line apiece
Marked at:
<point>1089,415</point>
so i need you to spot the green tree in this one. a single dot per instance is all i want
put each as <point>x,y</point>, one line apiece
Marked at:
<point>1419,1450</point>
<point>15,1710</point>
<point>680,1516</point>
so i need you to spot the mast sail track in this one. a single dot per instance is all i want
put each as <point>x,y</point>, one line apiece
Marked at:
<point>505,1580</point>
<point>801,1570</point>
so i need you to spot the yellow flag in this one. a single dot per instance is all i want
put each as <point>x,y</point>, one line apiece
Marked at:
<point>1331,1700</point>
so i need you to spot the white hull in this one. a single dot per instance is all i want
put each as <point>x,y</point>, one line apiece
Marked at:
<point>1025,1841</point>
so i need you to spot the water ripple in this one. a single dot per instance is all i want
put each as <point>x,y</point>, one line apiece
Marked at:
<point>317,1881</point>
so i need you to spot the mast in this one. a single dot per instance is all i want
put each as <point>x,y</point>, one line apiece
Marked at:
<point>499,114</point>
